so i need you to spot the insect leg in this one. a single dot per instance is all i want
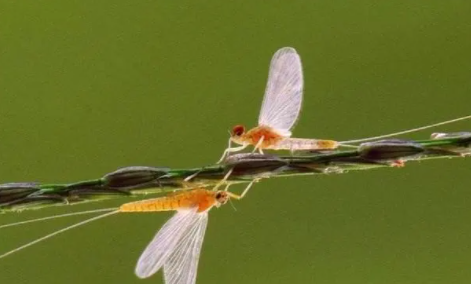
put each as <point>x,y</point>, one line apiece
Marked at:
<point>238,197</point>
<point>259,143</point>
<point>230,150</point>
<point>221,182</point>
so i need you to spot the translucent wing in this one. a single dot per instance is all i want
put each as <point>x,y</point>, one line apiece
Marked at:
<point>165,242</point>
<point>182,265</point>
<point>284,92</point>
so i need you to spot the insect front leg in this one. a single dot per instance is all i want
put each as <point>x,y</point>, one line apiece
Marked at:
<point>224,179</point>
<point>238,197</point>
<point>230,150</point>
<point>229,145</point>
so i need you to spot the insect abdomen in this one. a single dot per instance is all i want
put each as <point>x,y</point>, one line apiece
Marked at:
<point>305,144</point>
<point>198,197</point>
<point>152,205</point>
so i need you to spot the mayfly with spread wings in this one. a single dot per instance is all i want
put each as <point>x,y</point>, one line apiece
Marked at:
<point>280,110</point>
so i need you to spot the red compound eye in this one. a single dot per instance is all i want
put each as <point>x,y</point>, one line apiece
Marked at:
<point>238,130</point>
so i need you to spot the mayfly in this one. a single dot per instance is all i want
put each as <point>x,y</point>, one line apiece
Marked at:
<point>280,110</point>
<point>177,245</point>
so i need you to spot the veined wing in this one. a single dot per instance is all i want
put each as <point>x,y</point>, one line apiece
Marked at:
<point>165,242</point>
<point>284,93</point>
<point>182,264</point>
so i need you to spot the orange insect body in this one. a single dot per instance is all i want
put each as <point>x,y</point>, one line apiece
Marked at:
<point>270,136</point>
<point>203,199</point>
<point>276,141</point>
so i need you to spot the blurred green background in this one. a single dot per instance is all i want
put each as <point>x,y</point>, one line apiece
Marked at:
<point>87,87</point>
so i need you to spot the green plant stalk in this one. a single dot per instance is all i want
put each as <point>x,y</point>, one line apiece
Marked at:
<point>135,181</point>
